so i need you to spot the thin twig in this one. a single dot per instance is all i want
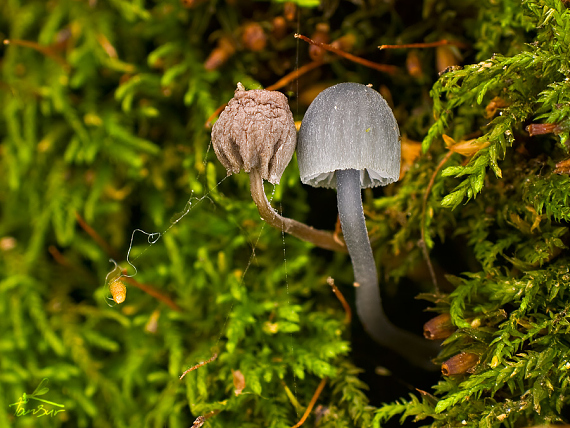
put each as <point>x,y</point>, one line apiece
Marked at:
<point>45,50</point>
<point>295,74</point>
<point>208,123</point>
<point>200,364</point>
<point>312,403</point>
<point>201,420</point>
<point>151,291</point>
<point>58,257</point>
<point>337,234</point>
<point>391,69</point>
<point>425,45</point>
<point>424,210</point>
<point>96,237</point>
<point>340,297</point>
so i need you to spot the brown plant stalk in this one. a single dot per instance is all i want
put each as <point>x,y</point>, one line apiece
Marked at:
<point>44,50</point>
<point>150,290</point>
<point>424,45</point>
<point>343,302</point>
<point>300,230</point>
<point>312,403</point>
<point>385,68</point>
<point>96,237</point>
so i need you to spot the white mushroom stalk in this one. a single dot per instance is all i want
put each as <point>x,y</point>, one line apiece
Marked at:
<point>349,140</point>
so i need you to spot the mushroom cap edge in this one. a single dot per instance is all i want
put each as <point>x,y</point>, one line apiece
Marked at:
<point>349,126</point>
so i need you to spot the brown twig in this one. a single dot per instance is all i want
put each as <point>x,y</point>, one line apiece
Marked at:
<point>340,297</point>
<point>58,257</point>
<point>201,420</point>
<point>391,69</point>
<point>96,237</point>
<point>425,45</point>
<point>208,124</point>
<point>337,234</point>
<point>424,209</point>
<point>312,403</point>
<point>150,290</point>
<point>45,50</point>
<point>295,74</point>
<point>200,364</point>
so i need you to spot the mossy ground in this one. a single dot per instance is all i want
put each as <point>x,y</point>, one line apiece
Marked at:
<point>102,127</point>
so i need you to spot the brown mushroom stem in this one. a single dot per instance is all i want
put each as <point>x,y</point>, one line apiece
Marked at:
<point>320,238</point>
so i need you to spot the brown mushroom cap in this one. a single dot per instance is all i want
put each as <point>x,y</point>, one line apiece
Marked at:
<point>255,130</point>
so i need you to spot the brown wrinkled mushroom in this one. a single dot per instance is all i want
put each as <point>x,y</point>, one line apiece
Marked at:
<point>256,132</point>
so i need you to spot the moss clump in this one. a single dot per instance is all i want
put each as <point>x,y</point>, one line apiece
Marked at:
<point>102,127</point>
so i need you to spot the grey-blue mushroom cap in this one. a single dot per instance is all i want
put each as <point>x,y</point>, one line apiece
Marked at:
<point>349,126</point>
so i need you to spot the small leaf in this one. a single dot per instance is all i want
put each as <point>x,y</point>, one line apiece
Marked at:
<point>42,388</point>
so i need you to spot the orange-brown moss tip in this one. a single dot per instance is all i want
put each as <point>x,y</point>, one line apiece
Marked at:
<point>414,65</point>
<point>446,56</point>
<point>464,147</point>
<point>223,51</point>
<point>459,364</point>
<point>279,27</point>
<point>439,327</point>
<point>494,105</point>
<point>345,43</point>
<point>239,382</point>
<point>562,167</point>
<point>190,4</point>
<point>253,37</point>
<point>543,128</point>
<point>290,11</point>
<point>118,291</point>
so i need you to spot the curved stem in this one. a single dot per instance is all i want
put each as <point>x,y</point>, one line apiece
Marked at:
<point>300,230</point>
<point>368,301</point>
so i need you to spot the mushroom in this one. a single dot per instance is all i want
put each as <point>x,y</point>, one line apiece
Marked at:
<point>256,132</point>
<point>349,140</point>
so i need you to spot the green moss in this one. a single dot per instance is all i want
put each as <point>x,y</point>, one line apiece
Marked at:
<point>105,118</point>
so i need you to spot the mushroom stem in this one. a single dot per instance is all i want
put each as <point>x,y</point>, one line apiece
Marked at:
<point>300,230</point>
<point>368,301</point>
